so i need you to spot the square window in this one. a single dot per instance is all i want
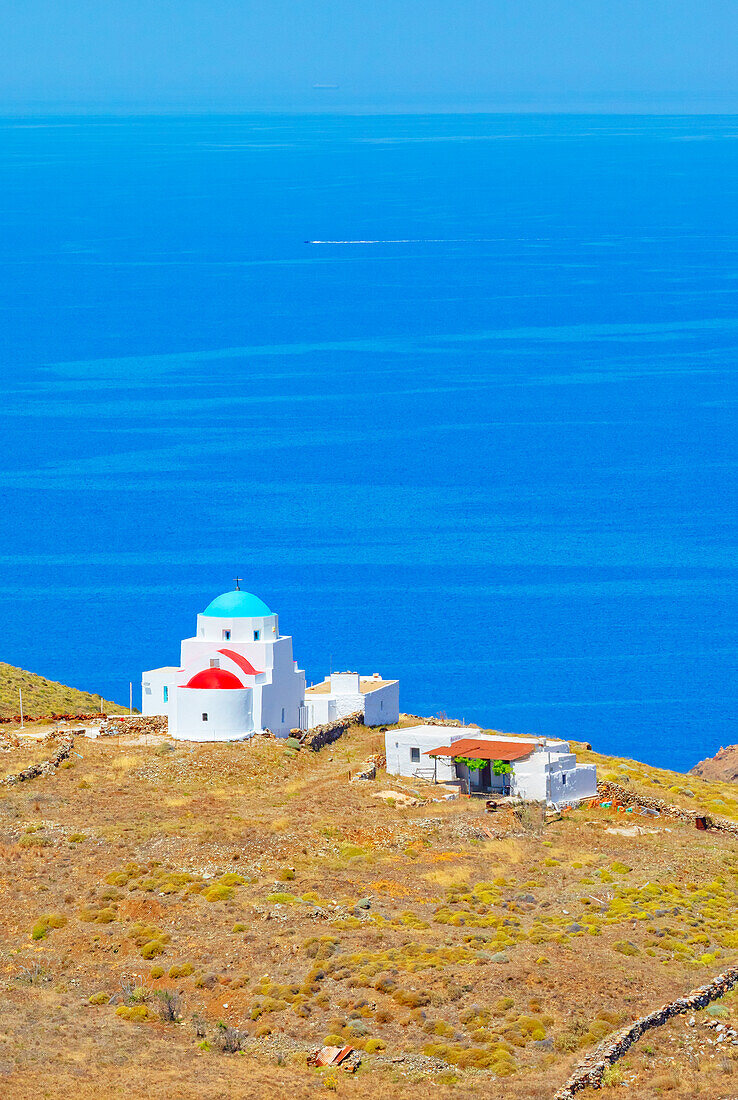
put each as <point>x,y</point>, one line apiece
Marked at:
<point>166,694</point>
<point>415,755</point>
<point>257,635</point>
<point>215,662</point>
<point>204,717</point>
<point>226,635</point>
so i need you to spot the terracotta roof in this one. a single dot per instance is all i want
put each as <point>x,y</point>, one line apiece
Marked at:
<point>485,750</point>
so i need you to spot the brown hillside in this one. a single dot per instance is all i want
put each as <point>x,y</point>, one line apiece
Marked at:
<point>249,887</point>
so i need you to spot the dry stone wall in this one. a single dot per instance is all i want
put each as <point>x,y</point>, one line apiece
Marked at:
<point>43,767</point>
<point>617,793</point>
<point>590,1072</point>
<point>319,736</point>
<point>131,724</point>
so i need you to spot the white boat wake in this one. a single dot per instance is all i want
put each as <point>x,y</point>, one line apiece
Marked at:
<point>423,240</point>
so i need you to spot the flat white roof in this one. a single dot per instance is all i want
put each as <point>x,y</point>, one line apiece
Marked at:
<point>367,684</point>
<point>453,733</point>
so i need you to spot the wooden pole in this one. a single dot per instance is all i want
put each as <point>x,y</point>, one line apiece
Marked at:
<point>130,696</point>
<point>20,697</point>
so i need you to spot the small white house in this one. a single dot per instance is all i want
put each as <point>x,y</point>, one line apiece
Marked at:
<point>533,768</point>
<point>344,693</point>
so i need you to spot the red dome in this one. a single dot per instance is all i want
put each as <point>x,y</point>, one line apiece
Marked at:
<point>214,678</point>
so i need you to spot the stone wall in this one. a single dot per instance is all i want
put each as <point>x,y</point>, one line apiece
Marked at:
<point>590,1072</point>
<point>88,719</point>
<point>132,724</point>
<point>439,721</point>
<point>44,767</point>
<point>617,793</point>
<point>319,736</point>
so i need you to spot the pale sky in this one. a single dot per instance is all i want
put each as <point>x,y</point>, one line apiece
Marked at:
<point>232,55</point>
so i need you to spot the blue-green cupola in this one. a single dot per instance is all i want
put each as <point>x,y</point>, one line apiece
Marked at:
<point>237,605</point>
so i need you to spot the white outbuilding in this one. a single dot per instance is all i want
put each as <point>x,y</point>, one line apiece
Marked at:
<point>344,693</point>
<point>531,768</point>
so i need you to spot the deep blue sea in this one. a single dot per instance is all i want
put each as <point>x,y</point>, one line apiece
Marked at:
<point>456,395</point>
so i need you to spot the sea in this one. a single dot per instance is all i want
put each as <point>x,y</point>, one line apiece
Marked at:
<point>455,394</point>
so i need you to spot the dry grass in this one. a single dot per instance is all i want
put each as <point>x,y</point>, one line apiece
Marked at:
<point>42,696</point>
<point>277,900</point>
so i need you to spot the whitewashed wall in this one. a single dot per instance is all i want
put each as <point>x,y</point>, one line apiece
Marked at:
<point>229,713</point>
<point>382,706</point>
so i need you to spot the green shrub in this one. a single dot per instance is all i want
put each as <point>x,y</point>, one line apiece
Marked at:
<point>231,878</point>
<point>43,925</point>
<point>612,1076</point>
<point>151,949</point>
<point>218,892</point>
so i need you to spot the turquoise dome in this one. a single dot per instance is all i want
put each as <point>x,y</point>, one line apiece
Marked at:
<point>237,605</point>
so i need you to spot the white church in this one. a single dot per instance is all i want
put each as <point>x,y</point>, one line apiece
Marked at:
<point>237,677</point>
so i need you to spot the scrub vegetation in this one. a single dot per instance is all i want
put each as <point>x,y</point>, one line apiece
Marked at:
<point>42,696</point>
<point>177,915</point>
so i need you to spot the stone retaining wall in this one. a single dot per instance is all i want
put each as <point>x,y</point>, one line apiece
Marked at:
<point>617,793</point>
<point>590,1072</point>
<point>319,736</point>
<point>44,767</point>
<point>130,724</point>
<point>28,719</point>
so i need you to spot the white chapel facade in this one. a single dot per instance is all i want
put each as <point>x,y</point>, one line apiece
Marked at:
<point>237,676</point>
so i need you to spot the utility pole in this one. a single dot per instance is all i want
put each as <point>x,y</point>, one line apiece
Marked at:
<point>130,697</point>
<point>20,697</point>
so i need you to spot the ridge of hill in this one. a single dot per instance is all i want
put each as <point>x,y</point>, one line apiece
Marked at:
<point>45,697</point>
<point>722,766</point>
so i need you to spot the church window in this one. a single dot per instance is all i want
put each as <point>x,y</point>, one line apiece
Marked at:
<point>257,635</point>
<point>563,779</point>
<point>166,694</point>
<point>204,717</point>
<point>415,756</point>
<point>283,714</point>
<point>226,635</point>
